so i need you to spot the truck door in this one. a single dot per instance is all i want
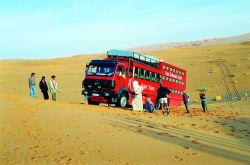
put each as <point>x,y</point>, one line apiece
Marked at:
<point>121,76</point>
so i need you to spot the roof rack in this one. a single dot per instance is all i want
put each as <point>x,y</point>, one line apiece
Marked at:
<point>151,60</point>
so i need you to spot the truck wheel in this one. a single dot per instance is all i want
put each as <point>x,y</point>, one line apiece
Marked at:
<point>90,102</point>
<point>122,101</point>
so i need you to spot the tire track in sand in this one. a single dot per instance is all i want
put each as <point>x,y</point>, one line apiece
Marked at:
<point>227,82</point>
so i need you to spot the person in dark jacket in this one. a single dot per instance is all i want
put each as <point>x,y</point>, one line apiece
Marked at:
<point>44,88</point>
<point>162,98</point>
<point>203,101</point>
<point>185,97</point>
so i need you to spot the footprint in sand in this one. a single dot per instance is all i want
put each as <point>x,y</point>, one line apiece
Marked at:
<point>195,141</point>
<point>160,133</point>
<point>65,159</point>
<point>34,158</point>
<point>46,157</point>
<point>58,142</point>
<point>98,151</point>
<point>179,158</point>
<point>5,157</point>
<point>35,147</point>
<point>169,135</point>
<point>233,130</point>
<point>231,134</point>
<point>17,149</point>
<point>38,129</point>
<point>204,146</point>
<point>186,136</point>
<point>82,153</point>
<point>240,137</point>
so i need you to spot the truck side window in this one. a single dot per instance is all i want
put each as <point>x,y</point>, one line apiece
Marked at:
<point>137,72</point>
<point>150,76</point>
<point>157,77</point>
<point>142,74</point>
<point>147,75</point>
<point>154,78</point>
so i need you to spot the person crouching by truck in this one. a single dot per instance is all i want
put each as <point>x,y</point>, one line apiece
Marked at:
<point>44,88</point>
<point>203,101</point>
<point>53,87</point>
<point>149,107</point>
<point>185,97</point>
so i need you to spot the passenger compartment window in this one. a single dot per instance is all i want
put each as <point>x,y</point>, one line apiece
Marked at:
<point>137,72</point>
<point>143,73</point>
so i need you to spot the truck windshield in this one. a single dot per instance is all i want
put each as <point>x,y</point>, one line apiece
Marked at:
<point>98,70</point>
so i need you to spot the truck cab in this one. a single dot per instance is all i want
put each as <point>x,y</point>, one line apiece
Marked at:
<point>106,81</point>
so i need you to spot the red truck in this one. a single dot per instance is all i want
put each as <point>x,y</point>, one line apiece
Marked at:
<point>109,80</point>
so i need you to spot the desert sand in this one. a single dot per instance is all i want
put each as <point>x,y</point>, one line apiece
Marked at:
<point>34,131</point>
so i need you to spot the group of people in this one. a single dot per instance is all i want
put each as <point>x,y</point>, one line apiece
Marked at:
<point>51,87</point>
<point>202,97</point>
<point>137,103</point>
<point>161,100</point>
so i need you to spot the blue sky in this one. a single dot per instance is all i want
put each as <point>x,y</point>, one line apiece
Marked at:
<point>48,29</point>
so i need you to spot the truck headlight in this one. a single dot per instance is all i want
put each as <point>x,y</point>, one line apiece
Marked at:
<point>107,94</point>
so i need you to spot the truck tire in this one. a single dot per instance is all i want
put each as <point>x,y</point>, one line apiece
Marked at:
<point>122,101</point>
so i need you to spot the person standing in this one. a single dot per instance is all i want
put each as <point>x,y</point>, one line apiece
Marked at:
<point>203,101</point>
<point>137,104</point>
<point>32,85</point>
<point>53,87</point>
<point>185,97</point>
<point>44,88</point>
<point>162,98</point>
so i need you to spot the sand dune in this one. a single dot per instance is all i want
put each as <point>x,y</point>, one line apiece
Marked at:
<point>205,42</point>
<point>70,131</point>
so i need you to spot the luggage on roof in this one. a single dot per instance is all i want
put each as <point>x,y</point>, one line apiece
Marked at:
<point>130,54</point>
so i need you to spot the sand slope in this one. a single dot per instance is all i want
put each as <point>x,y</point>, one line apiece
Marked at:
<point>70,131</point>
<point>36,131</point>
